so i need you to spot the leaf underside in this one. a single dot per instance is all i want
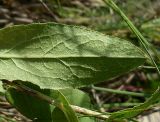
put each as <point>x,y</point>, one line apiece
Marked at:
<point>57,56</point>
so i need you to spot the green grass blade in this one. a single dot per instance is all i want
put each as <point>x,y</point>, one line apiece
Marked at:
<point>146,45</point>
<point>120,92</point>
<point>132,112</point>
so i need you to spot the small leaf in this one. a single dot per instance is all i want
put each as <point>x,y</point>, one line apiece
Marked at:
<point>66,108</point>
<point>132,112</point>
<point>30,106</point>
<point>38,110</point>
<point>75,97</point>
<point>56,56</point>
<point>58,115</point>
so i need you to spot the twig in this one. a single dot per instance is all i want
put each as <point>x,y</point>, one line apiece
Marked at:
<point>129,79</point>
<point>89,112</point>
<point>22,20</point>
<point>46,98</point>
<point>96,97</point>
<point>48,9</point>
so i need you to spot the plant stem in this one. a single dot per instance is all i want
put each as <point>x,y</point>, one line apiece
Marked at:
<point>120,92</point>
<point>146,45</point>
<point>48,9</point>
<point>48,99</point>
<point>89,112</point>
<point>120,105</point>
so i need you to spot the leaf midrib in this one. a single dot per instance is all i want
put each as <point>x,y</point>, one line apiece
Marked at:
<point>64,56</point>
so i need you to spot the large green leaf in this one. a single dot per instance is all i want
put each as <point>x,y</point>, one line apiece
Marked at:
<point>39,110</point>
<point>132,112</point>
<point>59,56</point>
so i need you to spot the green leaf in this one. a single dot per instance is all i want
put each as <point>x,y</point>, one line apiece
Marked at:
<point>30,106</point>
<point>56,56</point>
<point>75,97</point>
<point>132,112</point>
<point>88,119</point>
<point>66,108</point>
<point>58,115</point>
<point>40,111</point>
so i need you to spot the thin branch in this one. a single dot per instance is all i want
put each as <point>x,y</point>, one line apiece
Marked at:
<point>89,112</point>
<point>49,10</point>
<point>96,97</point>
